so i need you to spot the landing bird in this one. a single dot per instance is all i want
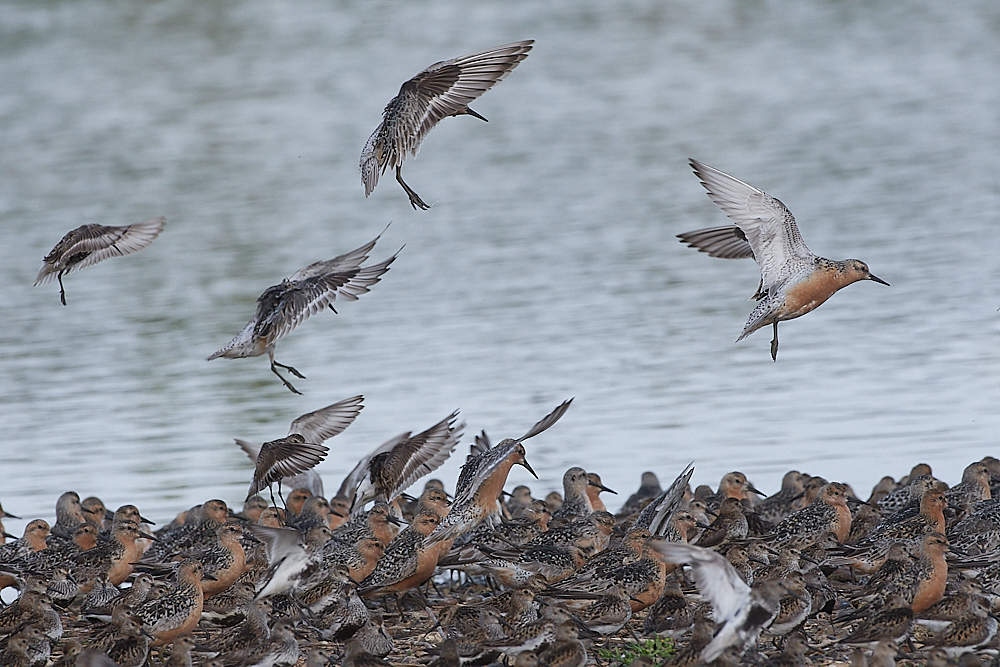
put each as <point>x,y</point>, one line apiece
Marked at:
<point>483,478</point>
<point>316,427</point>
<point>393,471</point>
<point>744,612</point>
<point>444,89</point>
<point>308,291</point>
<point>89,244</point>
<point>794,281</point>
<point>285,457</point>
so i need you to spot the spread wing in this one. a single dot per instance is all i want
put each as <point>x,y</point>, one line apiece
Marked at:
<point>769,227</point>
<point>97,242</point>
<point>393,471</point>
<point>349,487</point>
<point>323,424</point>
<point>547,421</point>
<point>717,580</point>
<point>285,457</point>
<point>283,307</point>
<point>443,89</point>
<point>727,242</point>
<point>346,262</point>
<point>448,87</point>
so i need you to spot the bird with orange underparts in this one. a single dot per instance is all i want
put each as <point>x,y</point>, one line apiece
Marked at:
<point>793,281</point>
<point>482,479</point>
<point>409,560</point>
<point>828,512</point>
<point>444,89</point>
<point>306,292</point>
<point>179,610</point>
<point>317,427</point>
<point>743,612</point>
<point>89,244</point>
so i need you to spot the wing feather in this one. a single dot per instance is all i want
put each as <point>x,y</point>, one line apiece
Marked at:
<point>717,580</point>
<point>321,425</point>
<point>283,307</point>
<point>97,242</point>
<point>441,90</point>
<point>726,242</point>
<point>769,227</point>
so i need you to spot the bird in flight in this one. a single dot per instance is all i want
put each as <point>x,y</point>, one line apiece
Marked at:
<point>444,89</point>
<point>89,244</point>
<point>308,291</point>
<point>793,281</point>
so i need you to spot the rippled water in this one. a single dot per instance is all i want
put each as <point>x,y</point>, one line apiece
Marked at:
<point>547,266</point>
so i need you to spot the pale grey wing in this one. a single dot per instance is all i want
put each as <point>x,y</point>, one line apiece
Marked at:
<point>252,450</point>
<point>769,227</point>
<point>439,443</point>
<point>346,262</point>
<point>349,487</point>
<point>727,242</point>
<point>547,421</point>
<point>323,424</point>
<point>279,542</point>
<point>717,580</point>
<point>371,165</point>
<point>313,295</point>
<point>101,242</point>
<point>656,515</point>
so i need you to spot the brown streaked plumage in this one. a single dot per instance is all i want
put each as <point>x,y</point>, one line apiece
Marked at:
<point>483,477</point>
<point>794,281</point>
<point>408,560</point>
<point>391,472</point>
<point>306,292</point>
<point>89,244</point>
<point>444,89</point>
<point>178,610</point>
<point>317,426</point>
<point>284,457</point>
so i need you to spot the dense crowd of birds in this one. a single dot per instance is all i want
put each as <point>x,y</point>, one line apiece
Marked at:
<point>482,576</point>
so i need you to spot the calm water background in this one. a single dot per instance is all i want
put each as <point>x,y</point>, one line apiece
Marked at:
<point>547,266</point>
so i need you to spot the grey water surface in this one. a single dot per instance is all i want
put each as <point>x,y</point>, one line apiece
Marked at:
<point>547,266</point>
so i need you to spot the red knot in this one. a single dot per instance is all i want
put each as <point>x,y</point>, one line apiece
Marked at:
<point>390,473</point>
<point>483,477</point>
<point>89,244</point>
<point>794,281</point>
<point>306,292</point>
<point>317,426</point>
<point>444,89</point>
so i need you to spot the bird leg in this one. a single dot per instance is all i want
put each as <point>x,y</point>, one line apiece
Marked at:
<point>415,200</point>
<point>274,365</point>
<point>283,503</point>
<point>62,292</point>
<point>774,343</point>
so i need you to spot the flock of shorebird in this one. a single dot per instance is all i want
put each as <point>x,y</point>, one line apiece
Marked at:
<point>802,576</point>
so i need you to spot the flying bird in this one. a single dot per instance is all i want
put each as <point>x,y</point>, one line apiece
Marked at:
<point>285,457</point>
<point>793,281</point>
<point>317,427</point>
<point>90,244</point>
<point>393,471</point>
<point>444,89</point>
<point>308,291</point>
